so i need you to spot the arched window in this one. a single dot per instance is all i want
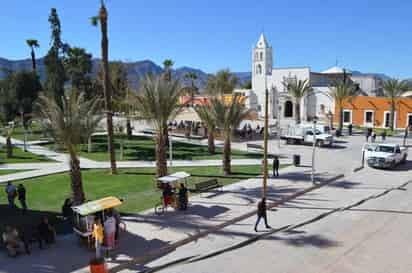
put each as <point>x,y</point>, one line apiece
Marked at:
<point>288,109</point>
<point>256,56</point>
<point>261,56</point>
<point>259,69</point>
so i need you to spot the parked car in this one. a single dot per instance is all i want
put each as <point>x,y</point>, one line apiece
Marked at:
<point>300,134</point>
<point>385,155</point>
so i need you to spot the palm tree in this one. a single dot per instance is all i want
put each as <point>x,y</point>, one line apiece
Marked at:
<point>224,82</point>
<point>32,43</point>
<point>340,92</point>
<point>102,18</point>
<point>158,103</point>
<point>69,124</point>
<point>393,89</point>
<point>228,117</point>
<point>205,114</point>
<point>167,64</point>
<point>297,89</point>
<point>191,90</point>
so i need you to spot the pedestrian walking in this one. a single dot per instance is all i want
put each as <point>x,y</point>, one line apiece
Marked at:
<point>367,134</point>
<point>183,197</point>
<point>11,192</point>
<point>97,234</point>
<point>67,215</point>
<point>261,213</point>
<point>373,137</point>
<point>21,195</point>
<point>383,135</point>
<point>276,166</point>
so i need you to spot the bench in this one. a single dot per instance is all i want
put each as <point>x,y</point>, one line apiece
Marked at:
<point>207,185</point>
<point>253,146</point>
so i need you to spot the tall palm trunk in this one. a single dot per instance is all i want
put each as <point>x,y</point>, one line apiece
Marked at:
<point>340,116</point>
<point>392,117</point>
<point>76,178</point>
<point>297,113</point>
<point>106,88</point>
<point>161,156</point>
<point>9,147</point>
<point>210,142</point>
<point>33,60</point>
<point>226,154</point>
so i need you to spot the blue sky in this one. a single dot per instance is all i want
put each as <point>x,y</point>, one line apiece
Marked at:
<point>365,35</point>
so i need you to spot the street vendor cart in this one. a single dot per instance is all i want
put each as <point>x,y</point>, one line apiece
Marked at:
<point>84,215</point>
<point>170,185</point>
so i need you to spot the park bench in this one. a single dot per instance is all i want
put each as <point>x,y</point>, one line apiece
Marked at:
<point>253,146</point>
<point>207,185</point>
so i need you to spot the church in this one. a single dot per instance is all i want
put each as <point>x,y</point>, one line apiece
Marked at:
<point>318,103</point>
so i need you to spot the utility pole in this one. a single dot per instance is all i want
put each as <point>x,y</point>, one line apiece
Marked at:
<point>313,151</point>
<point>265,145</point>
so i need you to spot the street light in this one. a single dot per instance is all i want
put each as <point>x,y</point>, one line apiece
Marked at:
<point>313,150</point>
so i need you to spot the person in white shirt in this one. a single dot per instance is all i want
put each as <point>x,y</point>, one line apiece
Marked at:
<point>110,230</point>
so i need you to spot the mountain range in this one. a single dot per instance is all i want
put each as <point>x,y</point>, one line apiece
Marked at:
<point>137,70</point>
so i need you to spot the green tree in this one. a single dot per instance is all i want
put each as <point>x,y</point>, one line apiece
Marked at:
<point>32,43</point>
<point>228,117</point>
<point>224,82</point>
<point>340,92</point>
<point>103,18</point>
<point>394,89</point>
<point>69,123</point>
<point>8,103</point>
<point>205,114</point>
<point>192,89</point>
<point>158,103</point>
<point>53,61</point>
<point>167,69</point>
<point>247,85</point>
<point>297,89</point>
<point>78,66</point>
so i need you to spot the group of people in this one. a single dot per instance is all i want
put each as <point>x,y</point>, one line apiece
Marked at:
<point>18,192</point>
<point>105,231</point>
<point>248,133</point>
<point>370,133</point>
<point>18,240</point>
<point>168,195</point>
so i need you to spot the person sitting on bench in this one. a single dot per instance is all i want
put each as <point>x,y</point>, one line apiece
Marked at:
<point>12,241</point>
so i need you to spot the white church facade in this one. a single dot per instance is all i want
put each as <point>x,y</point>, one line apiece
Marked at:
<point>281,105</point>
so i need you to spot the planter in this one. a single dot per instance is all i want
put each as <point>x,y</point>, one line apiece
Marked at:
<point>98,266</point>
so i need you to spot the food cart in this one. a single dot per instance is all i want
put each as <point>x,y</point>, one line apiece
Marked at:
<point>84,216</point>
<point>172,182</point>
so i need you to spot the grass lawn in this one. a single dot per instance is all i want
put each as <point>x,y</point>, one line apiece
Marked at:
<point>45,195</point>
<point>19,156</point>
<point>143,148</point>
<point>34,132</point>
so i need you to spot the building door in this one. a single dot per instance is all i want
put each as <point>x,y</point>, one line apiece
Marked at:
<point>409,120</point>
<point>387,119</point>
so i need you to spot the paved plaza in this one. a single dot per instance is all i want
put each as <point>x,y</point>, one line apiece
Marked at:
<point>356,223</point>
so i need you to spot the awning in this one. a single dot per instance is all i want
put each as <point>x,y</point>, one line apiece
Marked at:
<point>97,205</point>
<point>173,177</point>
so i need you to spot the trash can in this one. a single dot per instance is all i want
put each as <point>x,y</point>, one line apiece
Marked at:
<point>296,160</point>
<point>338,133</point>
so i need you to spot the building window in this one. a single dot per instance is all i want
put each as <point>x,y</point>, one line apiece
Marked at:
<point>347,116</point>
<point>288,109</point>
<point>409,120</point>
<point>256,56</point>
<point>387,119</point>
<point>261,56</point>
<point>259,69</point>
<point>322,109</point>
<point>368,118</point>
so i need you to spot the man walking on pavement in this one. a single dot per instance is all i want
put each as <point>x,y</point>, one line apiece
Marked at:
<point>261,213</point>
<point>11,192</point>
<point>21,193</point>
<point>276,166</point>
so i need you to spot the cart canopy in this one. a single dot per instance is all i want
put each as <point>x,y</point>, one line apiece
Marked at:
<point>173,177</point>
<point>97,205</point>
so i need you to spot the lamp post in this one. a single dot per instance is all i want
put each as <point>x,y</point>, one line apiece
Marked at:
<point>170,149</point>
<point>313,150</point>
<point>265,146</point>
<point>24,129</point>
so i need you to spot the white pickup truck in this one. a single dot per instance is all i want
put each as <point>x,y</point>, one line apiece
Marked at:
<point>385,155</point>
<point>304,134</point>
